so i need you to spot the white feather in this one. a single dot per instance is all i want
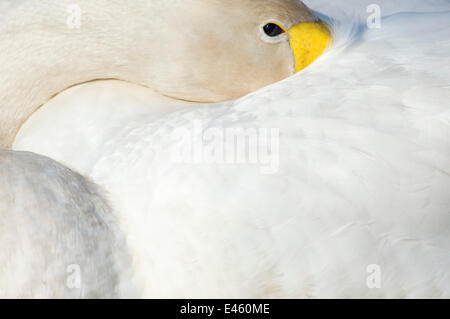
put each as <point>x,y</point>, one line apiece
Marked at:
<point>58,234</point>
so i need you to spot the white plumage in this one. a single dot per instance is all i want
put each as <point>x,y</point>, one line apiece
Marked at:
<point>58,236</point>
<point>363,179</point>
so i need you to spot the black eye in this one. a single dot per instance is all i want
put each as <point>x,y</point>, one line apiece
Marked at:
<point>272,29</point>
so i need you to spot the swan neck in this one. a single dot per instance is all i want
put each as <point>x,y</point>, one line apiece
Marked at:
<point>44,51</point>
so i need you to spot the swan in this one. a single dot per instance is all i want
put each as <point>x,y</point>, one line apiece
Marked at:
<point>58,235</point>
<point>211,52</point>
<point>160,45</point>
<point>357,203</point>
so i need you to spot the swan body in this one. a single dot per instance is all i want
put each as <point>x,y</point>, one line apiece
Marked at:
<point>112,105</point>
<point>359,187</point>
<point>362,183</point>
<point>57,224</point>
<point>193,50</point>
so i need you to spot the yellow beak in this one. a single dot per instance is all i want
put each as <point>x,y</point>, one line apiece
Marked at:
<point>308,42</point>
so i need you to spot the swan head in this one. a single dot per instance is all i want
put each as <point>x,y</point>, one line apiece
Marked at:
<point>194,50</point>
<point>222,50</point>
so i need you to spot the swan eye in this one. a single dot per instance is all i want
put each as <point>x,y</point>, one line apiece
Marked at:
<point>272,29</point>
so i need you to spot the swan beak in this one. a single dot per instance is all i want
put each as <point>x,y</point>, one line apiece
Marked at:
<point>308,42</point>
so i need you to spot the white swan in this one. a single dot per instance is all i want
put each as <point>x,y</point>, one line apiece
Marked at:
<point>197,50</point>
<point>359,205</point>
<point>58,236</point>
